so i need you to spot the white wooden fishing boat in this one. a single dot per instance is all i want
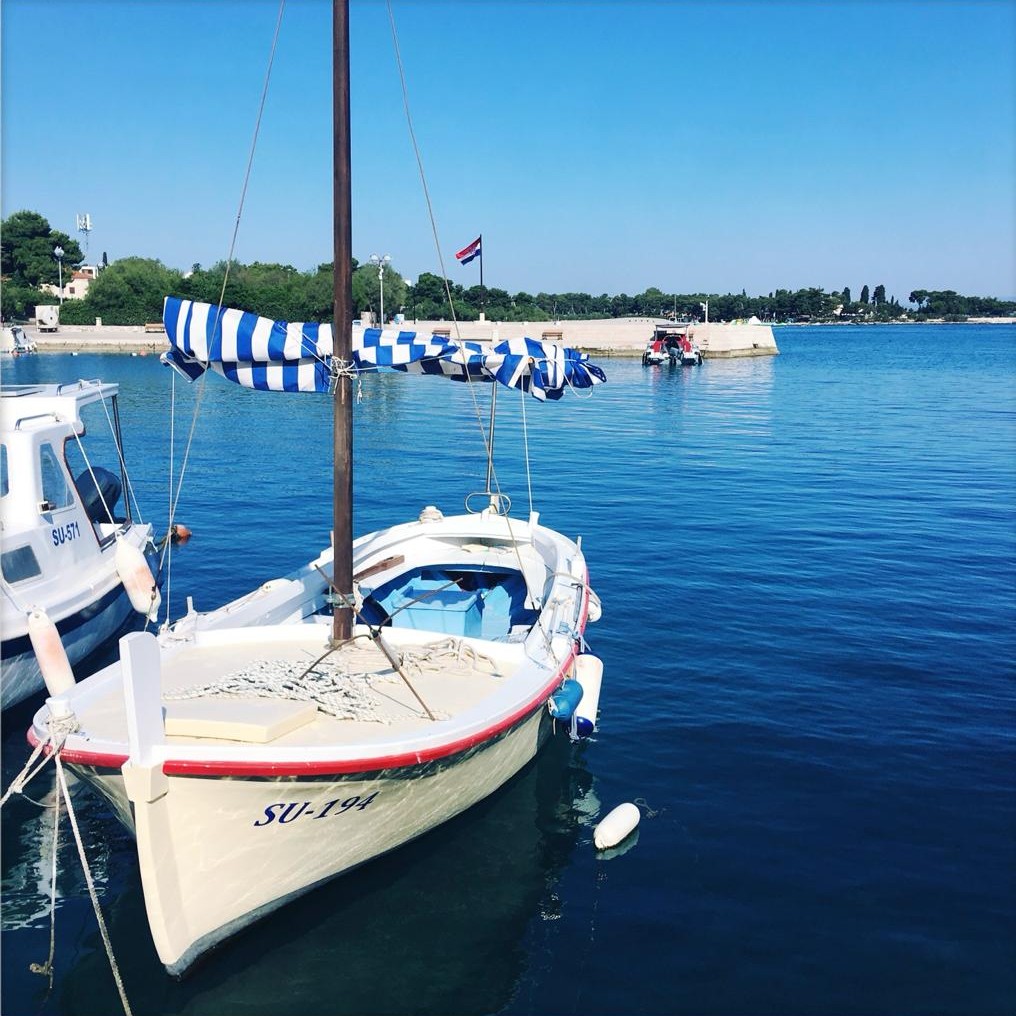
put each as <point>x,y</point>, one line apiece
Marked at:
<point>250,769</point>
<point>73,558</point>
<point>385,687</point>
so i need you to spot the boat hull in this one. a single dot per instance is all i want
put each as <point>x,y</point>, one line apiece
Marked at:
<point>284,836</point>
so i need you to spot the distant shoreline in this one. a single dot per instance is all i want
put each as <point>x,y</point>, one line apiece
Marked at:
<point>930,321</point>
<point>605,337</point>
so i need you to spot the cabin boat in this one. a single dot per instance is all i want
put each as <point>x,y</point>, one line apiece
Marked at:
<point>74,560</point>
<point>672,343</point>
<point>14,341</point>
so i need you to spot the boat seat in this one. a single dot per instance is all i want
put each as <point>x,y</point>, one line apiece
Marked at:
<point>256,721</point>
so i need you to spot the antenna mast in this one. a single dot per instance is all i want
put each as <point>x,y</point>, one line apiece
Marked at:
<point>85,226</point>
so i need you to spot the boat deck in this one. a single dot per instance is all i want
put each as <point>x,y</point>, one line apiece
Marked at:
<point>283,695</point>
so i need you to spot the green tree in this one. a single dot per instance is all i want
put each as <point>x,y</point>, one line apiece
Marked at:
<point>845,298</point>
<point>879,296</point>
<point>26,250</point>
<point>19,302</point>
<point>319,295</point>
<point>864,295</point>
<point>130,291</point>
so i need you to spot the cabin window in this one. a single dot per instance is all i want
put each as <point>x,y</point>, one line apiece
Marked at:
<point>55,489</point>
<point>5,488</point>
<point>99,490</point>
<point>19,564</point>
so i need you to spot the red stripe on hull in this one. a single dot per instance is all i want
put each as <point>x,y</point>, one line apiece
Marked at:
<point>189,767</point>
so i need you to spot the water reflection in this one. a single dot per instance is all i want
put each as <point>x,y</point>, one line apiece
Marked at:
<point>406,933</point>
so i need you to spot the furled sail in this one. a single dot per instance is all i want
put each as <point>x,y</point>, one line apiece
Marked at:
<point>278,356</point>
<point>544,369</point>
<point>252,351</point>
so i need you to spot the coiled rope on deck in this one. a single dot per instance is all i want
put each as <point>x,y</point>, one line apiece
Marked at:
<point>341,688</point>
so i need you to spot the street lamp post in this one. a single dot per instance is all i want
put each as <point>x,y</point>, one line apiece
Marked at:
<point>705,307</point>
<point>409,284</point>
<point>58,253</point>
<point>381,263</point>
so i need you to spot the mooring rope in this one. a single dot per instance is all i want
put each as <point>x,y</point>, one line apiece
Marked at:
<point>91,884</point>
<point>46,969</point>
<point>59,728</point>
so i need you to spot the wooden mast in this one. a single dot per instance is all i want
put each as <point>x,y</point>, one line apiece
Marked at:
<point>342,320</point>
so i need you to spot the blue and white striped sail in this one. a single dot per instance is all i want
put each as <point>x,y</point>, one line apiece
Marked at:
<point>544,369</point>
<point>279,356</point>
<point>252,351</point>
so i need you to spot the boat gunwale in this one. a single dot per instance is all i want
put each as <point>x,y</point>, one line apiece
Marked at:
<point>180,766</point>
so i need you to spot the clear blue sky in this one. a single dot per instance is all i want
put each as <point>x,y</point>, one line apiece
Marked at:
<point>599,147</point>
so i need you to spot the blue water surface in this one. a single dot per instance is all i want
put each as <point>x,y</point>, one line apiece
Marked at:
<point>806,568</point>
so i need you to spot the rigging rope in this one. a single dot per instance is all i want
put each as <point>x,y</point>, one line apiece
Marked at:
<point>123,463</point>
<point>433,220</point>
<point>167,555</point>
<point>229,264</point>
<point>419,163</point>
<point>487,441</point>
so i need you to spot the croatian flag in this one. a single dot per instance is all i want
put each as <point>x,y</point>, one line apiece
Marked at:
<point>471,251</point>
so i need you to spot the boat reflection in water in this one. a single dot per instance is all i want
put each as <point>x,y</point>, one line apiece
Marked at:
<point>405,933</point>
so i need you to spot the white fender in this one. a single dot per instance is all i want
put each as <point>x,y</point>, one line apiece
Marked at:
<point>589,674</point>
<point>137,579</point>
<point>595,608</point>
<point>616,826</point>
<point>50,652</point>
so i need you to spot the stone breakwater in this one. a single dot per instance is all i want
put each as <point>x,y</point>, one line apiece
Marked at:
<point>606,337</point>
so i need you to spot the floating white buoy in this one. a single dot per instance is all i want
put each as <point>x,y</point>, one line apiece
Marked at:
<point>137,579</point>
<point>616,826</point>
<point>50,652</point>
<point>589,674</point>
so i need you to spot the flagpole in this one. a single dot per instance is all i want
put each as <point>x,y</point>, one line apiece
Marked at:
<point>483,292</point>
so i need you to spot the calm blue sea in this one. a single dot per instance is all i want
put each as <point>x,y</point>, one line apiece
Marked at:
<point>809,628</point>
